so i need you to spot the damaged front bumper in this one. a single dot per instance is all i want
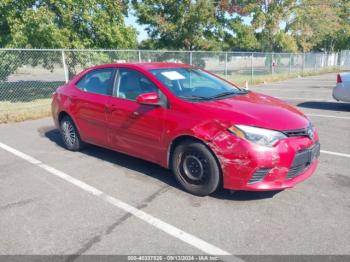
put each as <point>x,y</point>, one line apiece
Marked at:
<point>248,166</point>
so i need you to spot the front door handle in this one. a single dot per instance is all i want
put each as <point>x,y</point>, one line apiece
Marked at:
<point>111,108</point>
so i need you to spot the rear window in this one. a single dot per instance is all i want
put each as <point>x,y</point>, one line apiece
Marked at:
<point>98,81</point>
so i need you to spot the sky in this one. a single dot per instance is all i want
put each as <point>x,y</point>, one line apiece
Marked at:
<point>131,21</point>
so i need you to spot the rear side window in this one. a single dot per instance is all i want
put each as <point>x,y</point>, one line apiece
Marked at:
<point>98,81</point>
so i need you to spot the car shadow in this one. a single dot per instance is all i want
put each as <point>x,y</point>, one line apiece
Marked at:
<point>149,169</point>
<point>226,194</point>
<point>141,166</point>
<point>338,106</point>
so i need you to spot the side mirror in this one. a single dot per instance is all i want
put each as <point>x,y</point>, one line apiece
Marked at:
<point>151,98</point>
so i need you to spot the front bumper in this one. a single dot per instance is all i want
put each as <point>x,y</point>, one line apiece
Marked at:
<point>247,166</point>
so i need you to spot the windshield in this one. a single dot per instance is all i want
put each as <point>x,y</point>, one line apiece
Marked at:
<point>195,84</point>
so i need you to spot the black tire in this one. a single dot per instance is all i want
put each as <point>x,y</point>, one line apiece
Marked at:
<point>196,168</point>
<point>70,135</point>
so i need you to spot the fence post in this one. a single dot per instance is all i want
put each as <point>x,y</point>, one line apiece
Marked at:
<point>140,59</point>
<point>251,68</point>
<point>225,65</point>
<point>290,63</point>
<point>315,65</point>
<point>272,63</point>
<point>190,57</point>
<point>303,64</point>
<point>66,76</point>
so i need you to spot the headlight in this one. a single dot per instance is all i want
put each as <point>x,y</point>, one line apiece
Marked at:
<point>261,136</point>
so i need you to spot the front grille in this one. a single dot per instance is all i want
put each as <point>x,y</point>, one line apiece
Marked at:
<point>296,170</point>
<point>303,159</point>
<point>296,132</point>
<point>259,175</point>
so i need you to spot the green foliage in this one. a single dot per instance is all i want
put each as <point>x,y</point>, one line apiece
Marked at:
<point>264,31</point>
<point>314,21</point>
<point>284,42</point>
<point>8,64</point>
<point>36,28</point>
<point>274,25</point>
<point>173,24</point>
<point>240,36</point>
<point>9,11</point>
<point>66,24</point>
<point>63,24</point>
<point>339,37</point>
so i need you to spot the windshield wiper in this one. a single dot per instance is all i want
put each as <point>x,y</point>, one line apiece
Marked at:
<point>224,94</point>
<point>229,93</point>
<point>194,97</point>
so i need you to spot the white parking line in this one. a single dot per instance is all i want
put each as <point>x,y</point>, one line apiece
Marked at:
<point>335,153</point>
<point>161,225</point>
<point>287,89</point>
<point>329,116</point>
<point>302,80</point>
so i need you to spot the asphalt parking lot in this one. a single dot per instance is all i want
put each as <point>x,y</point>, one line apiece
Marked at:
<point>101,202</point>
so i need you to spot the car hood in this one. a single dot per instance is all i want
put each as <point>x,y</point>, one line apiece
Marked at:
<point>256,109</point>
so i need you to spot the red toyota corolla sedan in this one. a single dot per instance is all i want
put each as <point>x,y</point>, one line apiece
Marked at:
<point>208,131</point>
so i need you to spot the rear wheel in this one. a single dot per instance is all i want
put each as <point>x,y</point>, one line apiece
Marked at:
<point>70,134</point>
<point>196,168</point>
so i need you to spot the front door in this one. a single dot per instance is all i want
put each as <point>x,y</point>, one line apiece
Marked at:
<point>134,128</point>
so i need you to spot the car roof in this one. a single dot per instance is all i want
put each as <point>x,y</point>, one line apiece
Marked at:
<point>147,66</point>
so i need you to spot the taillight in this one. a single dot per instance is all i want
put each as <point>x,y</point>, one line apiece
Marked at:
<point>339,79</point>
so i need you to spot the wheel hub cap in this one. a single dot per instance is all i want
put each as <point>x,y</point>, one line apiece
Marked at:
<point>68,133</point>
<point>193,167</point>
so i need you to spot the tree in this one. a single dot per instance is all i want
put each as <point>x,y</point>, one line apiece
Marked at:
<point>10,10</point>
<point>64,24</point>
<point>264,31</point>
<point>313,21</point>
<point>338,38</point>
<point>290,25</point>
<point>69,24</point>
<point>240,36</point>
<point>172,24</point>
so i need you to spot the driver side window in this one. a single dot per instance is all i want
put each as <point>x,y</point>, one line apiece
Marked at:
<point>132,83</point>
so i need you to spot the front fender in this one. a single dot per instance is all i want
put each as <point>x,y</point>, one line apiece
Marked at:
<point>204,131</point>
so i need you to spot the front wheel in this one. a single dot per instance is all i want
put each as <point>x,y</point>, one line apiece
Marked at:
<point>196,168</point>
<point>70,135</point>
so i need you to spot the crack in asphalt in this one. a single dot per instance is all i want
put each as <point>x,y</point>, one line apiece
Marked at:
<point>16,204</point>
<point>96,239</point>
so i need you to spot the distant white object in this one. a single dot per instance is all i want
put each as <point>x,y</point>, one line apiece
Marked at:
<point>246,84</point>
<point>341,91</point>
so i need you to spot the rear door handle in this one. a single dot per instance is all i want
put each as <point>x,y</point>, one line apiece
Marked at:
<point>73,98</point>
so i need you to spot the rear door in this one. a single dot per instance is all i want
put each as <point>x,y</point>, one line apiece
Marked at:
<point>95,88</point>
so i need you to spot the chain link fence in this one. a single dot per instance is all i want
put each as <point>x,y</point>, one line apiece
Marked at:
<point>29,76</point>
